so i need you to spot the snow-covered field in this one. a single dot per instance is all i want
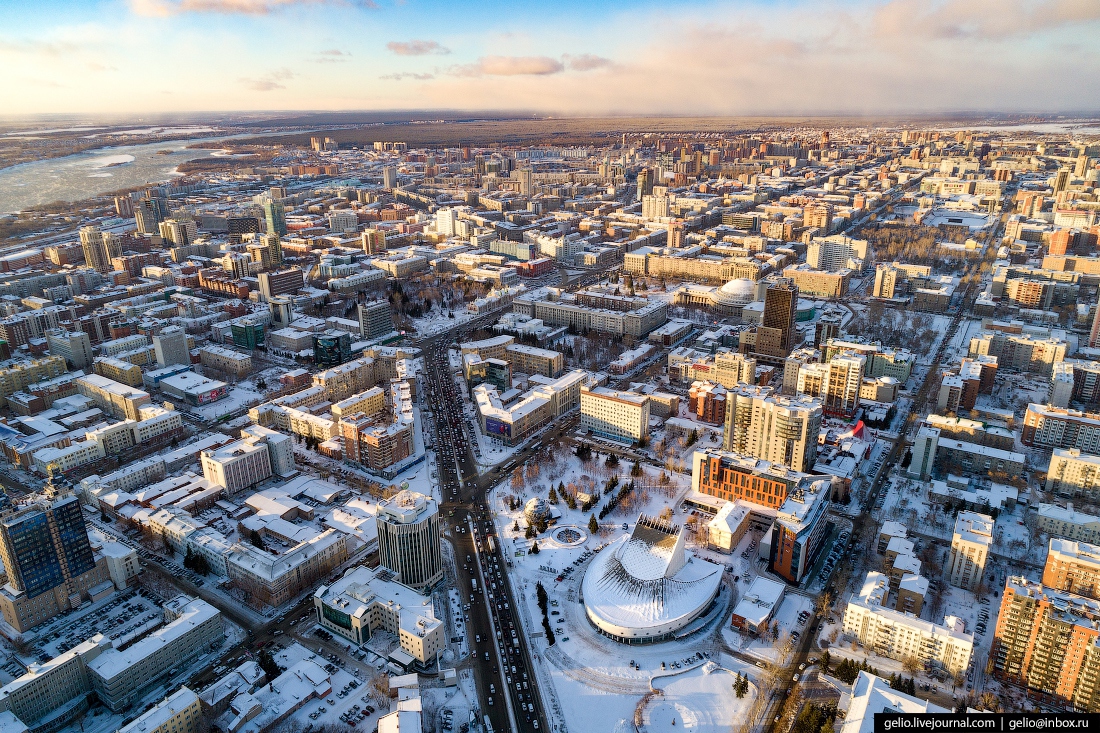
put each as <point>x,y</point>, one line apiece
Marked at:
<point>699,701</point>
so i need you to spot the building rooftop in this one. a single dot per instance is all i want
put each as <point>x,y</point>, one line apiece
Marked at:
<point>162,712</point>
<point>361,587</point>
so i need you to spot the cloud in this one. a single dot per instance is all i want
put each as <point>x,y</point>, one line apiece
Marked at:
<point>37,48</point>
<point>269,81</point>
<point>978,19</point>
<point>587,62</point>
<point>407,75</point>
<point>510,66</point>
<point>97,66</point>
<point>163,8</point>
<point>417,48</point>
<point>332,56</point>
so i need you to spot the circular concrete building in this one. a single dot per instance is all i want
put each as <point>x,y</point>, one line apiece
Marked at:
<point>645,588</point>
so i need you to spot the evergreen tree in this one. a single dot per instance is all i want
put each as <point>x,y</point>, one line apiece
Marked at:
<point>535,548</point>
<point>530,533</point>
<point>593,525</point>
<point>553,497</point>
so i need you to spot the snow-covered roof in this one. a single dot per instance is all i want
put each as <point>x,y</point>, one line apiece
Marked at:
<point>643,585</point>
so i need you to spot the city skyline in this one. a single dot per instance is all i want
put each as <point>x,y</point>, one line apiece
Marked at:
<point>753,58</point>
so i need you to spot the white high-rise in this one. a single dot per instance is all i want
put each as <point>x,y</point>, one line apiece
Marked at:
<point>408,539</point>
<point>170,346</point>
<point>762,424</point>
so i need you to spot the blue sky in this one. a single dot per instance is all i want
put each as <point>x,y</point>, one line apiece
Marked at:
<point>567,57</point>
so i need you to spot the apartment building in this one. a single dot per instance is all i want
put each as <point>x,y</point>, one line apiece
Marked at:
<point>180,712</point>
<point>238,465</point>
<point>1046,426</point>
<point>120,400</point>
<point>375,319</point>
<point>970,545</point>
<point>1069,523</point>
<point>614,414</point>
<point>1047,642</point>
<point>368,402</point>
<point>118,370</point>
<point>1073,567</point>
<point>1019,351</point>
<point>821,283</point>
<point>73,346</point>
<point>763,424</point>
<point>898,635</point>
<point>1073,474</point>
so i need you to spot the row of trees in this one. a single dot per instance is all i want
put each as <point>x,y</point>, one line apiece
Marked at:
<point>544,602</point>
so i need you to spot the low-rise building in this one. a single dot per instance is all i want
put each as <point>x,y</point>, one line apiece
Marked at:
<point>367,600</point>
<point>898,635</point>
<point>1067,522</point>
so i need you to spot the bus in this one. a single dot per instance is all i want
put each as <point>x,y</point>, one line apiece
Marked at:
<point>473,584</point>
<point>492,545</point>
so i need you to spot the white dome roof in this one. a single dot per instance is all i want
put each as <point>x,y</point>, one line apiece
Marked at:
<point>741,290</point>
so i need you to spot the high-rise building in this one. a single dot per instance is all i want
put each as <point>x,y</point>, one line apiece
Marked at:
<point>99,248</point>
<point>374,241</point>
<point>48,558</point>
<point>283,282</point>
<point>274,248</point>
<point>389,177</point>
<point>645,183</point>
<point>73,346</point>
<point>970,545</point>
<point>1061,180</point>
<point>1073,567</point>
<point>1048,641</point>
<point>408,539</point>
<point>774,339</point>
<point>842,384</point>
<point>526,178</point>
<point>180,232</point>
<point>275,217</point>
<point>170,346</point>
<point>149,212</point>
<point>375,319</point>
<point>762,424</point>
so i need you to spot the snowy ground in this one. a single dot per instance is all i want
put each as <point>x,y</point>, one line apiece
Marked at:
<point>588,680</point>
<point>437,320</point>
<point>699,701</point>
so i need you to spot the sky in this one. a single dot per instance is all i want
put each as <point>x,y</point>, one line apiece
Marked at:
<point>567,57</point>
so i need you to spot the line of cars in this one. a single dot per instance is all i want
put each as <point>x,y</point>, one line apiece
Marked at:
<point>842,545</point>
<point>508,644</point>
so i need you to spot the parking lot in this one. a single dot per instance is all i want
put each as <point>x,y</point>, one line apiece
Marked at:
<point>121,617</point>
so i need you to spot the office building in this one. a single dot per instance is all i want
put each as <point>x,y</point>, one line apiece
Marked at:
<point>73,346</point>
<point>409,529</point>
<point>774,339</point>
<point>180,712</point>
<point>233,363</point>
<point>272,580</point>
<point>238,465</point>
<point>375,319</point>
<point>1048,641</point>
<point>970,545</point>
<point>100,248</point>
<point>331,348</point>
<point>119,677</point>
<point>799,530</point>
<point>365,601</point>
<point>48,560</point>
<point>898,635</point>
<point>170,346</point>
<point>281,282</point>
<point>611,413</point>
<point>533,360</point>
<point>275,217</point>
<point>782,430</point>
